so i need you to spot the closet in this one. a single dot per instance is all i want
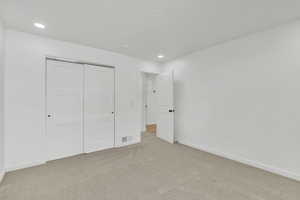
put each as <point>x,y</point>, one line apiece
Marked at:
<point>80,101</point>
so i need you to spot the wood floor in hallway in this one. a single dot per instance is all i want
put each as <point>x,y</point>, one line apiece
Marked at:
<point>151,170</point>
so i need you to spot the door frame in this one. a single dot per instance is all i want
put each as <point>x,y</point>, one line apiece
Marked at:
<point>83,63</point>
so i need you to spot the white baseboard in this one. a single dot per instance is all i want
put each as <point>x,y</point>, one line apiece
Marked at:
<point>24,165</point>
<point>135,140</point>
<point>252,163</point>
<point>2,174</point>
<point>127,144</point>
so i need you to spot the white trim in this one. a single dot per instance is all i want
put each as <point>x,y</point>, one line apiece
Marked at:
<point>252,163</point>
<point>2,174</point>
<point>25,165</point>
<point>83,96</point>
<point>136,140</point>
<point>59,59</point>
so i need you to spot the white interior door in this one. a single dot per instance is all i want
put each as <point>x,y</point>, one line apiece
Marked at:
<point>165,121</point>
<point>64,109</point>
<point>99,117</point>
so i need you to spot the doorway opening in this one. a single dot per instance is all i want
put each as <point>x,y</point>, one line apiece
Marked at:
<point>150,105</point>
<point>158,105</point>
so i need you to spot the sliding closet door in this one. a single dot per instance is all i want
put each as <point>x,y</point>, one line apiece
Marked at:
<point>99,110</point>
<point>64,109</point>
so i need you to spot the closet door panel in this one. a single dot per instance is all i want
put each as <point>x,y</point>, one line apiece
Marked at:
<point>64,109</point>
<point>99,111</point>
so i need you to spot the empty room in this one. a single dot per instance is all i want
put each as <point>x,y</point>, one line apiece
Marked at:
<point>150,100</point>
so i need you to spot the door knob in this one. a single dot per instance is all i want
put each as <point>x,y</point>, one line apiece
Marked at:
<point>49,116</point>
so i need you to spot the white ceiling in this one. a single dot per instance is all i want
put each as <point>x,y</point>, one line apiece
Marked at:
<point>145,28</point>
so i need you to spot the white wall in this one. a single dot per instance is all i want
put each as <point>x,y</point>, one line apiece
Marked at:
<point>1,99</point>
<point>241,99</point>
<point>25,93</point>
<point>151,67</point>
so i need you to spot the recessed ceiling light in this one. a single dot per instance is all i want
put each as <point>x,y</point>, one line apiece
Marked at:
<point>39,25</point>
<point>160,56</point>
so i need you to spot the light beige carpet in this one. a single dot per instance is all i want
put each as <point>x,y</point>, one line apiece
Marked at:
<point>152,170</point>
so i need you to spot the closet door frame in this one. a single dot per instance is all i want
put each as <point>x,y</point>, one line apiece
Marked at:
<point>83,63</point>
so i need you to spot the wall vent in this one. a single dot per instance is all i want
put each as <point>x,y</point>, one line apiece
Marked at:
<point>126,139</point>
